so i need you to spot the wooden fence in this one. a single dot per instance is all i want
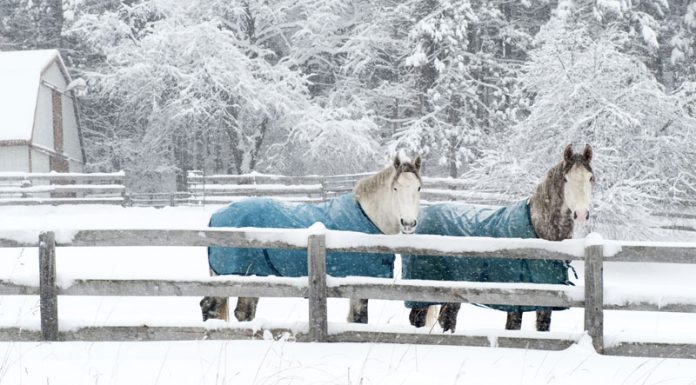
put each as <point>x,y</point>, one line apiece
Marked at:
<point>62,188</point>
<point>220,189</point>
<point>317,287</point>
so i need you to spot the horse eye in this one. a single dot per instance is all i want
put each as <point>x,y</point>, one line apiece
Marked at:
<point>419,188</point>
<point>592,179</point>
<point>394,188</point>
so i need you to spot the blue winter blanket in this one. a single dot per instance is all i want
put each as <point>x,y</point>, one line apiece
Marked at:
<point>340,213</point>
<point>478,221</point>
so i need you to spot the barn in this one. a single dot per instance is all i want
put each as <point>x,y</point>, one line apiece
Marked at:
<point>39,122</point>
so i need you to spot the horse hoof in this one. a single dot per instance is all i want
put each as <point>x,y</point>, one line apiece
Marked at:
<point>417,317</point>
<point>448,317</point>
<point>210,308</point>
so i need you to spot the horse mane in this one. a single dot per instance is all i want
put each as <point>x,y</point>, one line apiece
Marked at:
<point>370,185</point>
<point>548,220</point>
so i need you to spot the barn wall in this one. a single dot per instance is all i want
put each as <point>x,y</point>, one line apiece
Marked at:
<point>71,139</point>
<point>39,161</point>
<point>43,123</point>
<point>14,158</point>
<point>54,76</point>
<point>76,166</point>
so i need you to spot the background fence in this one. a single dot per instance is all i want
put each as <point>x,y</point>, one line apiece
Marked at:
<point>317,287</point>
<point>221,189</point>
<point>57,188</point>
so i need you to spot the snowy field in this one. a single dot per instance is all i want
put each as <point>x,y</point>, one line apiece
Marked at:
<point>288,362</point>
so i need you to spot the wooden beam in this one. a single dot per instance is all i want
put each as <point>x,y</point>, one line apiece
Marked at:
<point>594,295</point>
<point>450,339</point>
<point>11,288</point>
<point>652,349</point>
<point>19,335</point>
<point>662,254</point>
<point>316,263</point>
<point>241,287</point>
<point>521,253</point>
<point>222,237</point>
<point>160,333</point>
<point>48,291</point>
<point>482,293</point>
<point>59,201</point>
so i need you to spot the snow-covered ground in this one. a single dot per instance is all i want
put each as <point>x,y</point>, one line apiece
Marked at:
<point>287,362</point>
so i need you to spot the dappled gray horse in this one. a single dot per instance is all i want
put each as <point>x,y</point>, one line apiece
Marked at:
<point>562,199</point>
<point>387,203</point>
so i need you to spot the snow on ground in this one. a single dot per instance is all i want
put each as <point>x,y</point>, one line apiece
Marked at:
<point>287,362</point>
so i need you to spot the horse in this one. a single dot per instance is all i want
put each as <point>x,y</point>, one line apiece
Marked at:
<point>384,203</point>
<point>559,201</point>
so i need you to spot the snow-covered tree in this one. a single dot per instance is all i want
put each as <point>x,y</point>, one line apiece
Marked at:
<point>188,90</point>
<point>586,90</point>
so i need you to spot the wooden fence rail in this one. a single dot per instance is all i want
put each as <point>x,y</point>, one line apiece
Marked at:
<point>62,188</point>
<point>317,287</point>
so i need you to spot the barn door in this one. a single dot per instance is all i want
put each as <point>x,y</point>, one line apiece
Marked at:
<point>58,163</point>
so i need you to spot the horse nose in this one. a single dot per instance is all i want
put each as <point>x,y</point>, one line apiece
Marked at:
<point>408,224</point>
<point>581,216</point>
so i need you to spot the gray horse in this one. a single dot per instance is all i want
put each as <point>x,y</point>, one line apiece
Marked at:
<point>561,200</point>
<point>386,203</point>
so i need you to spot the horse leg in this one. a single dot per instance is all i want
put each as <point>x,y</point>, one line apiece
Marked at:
<point>417,316</point>
<point>357,311</point>
<point>246,308</point>
<point>214,308</point>
<point>514,320</point>
<point>543,320</point>
<point>448,316</point>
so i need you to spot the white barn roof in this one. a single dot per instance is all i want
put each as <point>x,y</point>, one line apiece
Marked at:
<point>20,77</point>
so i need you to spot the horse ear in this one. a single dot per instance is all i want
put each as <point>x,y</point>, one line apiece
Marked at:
<point>397,162</point>
<point>568,153</point>
<point>587,154</point>
<point>417,163</point>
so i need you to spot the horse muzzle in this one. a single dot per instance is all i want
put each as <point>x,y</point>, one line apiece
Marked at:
<point>407,227</point>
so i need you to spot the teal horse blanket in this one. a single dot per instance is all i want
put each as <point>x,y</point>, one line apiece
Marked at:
<point>340,213</point>
<point>478,221</point>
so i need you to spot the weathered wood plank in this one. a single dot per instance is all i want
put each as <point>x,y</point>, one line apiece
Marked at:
<point>19,335</point>
<point>647,306</point>
<point>256,189</point>
<point>48,291</point>
<point>316,263</point>
<point>594,295</point>
<point>14,176</point>
<point>483,293</point>
<point>450,339</point>
<point>60,201</point>
<point>161,333</point>
<point>663,254</point>
<point>7,242</point>
<point>112,188</point>
<point>224,237</point>
<point>11,288</point>
<point>241,287</point>
<point>652,349</point>
<point>523,253</point>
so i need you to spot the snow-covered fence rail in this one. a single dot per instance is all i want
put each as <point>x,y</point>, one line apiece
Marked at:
<point>61,188</point>
<point>593,250</point>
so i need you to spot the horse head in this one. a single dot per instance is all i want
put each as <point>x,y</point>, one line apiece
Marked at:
<point>405,193</point>
<point>578,179</point>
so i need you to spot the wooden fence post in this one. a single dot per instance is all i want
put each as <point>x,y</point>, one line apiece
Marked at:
<point>594,295</point>
<point>48,291</point>
<point>316,263</point>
